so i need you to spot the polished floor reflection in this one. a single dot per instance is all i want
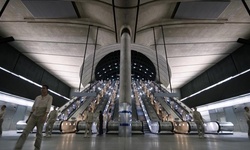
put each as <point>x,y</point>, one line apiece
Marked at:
<point>137,141</point>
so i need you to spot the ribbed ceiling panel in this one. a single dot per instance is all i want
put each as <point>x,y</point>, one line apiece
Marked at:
<point>200,10</point>
<point>50,9</point>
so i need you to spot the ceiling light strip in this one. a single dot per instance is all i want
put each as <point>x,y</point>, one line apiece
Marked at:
<point>9,98</point>
<point>223,81</point>
<point>242,99</point>
<point>21,77</point>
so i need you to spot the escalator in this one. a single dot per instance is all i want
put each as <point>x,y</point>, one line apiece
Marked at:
<point>74,121</point>
<point>185,124</point>
<point>113,112</point>
<point>113,124</point>
<point>69,108</point>
<point>152,122</point>
<point>101,106</point>
<point>80,110</point>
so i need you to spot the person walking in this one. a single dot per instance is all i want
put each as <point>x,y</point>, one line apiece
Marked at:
<point>100,124</point>
<point>50,122</point>
<point>38,116</point>
<point>2,113</point>
<point>199,122</point>
<point>89,122</point>
<point>247,116</point>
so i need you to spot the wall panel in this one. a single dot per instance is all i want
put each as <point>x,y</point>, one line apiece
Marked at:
<point>16,62</point>
<point>234,87</point>
<point>50,80</point>
<point>242,58</point>
<point>200,82</point>
<point>27,68</point>
<point>232,65</point>
<point>8,57</point>
<point>186,90</point>
<point>63,89</point>
<point>222,70</point>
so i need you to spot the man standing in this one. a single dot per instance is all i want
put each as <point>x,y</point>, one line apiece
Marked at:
<point>89,122</point>
<point>247,115</point>
<point>50,122</point>
<point>199,122</point>
<point>2,112</point>
<point>39,112</point>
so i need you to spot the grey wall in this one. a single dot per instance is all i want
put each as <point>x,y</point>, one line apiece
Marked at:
<point>13,114</point>
<point>234,64</point>
<point>234,114</point>
<point>14,61</point>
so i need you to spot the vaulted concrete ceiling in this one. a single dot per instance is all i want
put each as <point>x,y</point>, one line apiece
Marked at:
<point>196,34</point>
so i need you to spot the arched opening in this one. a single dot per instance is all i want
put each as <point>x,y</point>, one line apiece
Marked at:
<point>108,67</point>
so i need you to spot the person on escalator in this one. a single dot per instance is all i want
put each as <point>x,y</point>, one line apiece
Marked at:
<point>170,118</point>
<point>89,122</point>
<point>199,122</point>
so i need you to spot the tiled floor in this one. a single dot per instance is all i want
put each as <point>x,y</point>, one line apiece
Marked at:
<point>136,142</point>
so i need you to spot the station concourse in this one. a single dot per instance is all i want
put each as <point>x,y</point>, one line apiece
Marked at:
<point>145,64</point>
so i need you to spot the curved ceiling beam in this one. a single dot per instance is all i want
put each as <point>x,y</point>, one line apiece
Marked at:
<point>149,53</point>
<point>182,22</point>
<point>76,22</point>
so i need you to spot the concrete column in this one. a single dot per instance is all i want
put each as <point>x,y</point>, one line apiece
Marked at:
<point>125,109</point>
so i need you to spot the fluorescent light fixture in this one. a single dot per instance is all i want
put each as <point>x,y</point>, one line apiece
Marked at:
<point>18,100</point>
<point>215,85</point>
<point>6,97</point>
<point>21,77</point>
<point>242,99</point>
